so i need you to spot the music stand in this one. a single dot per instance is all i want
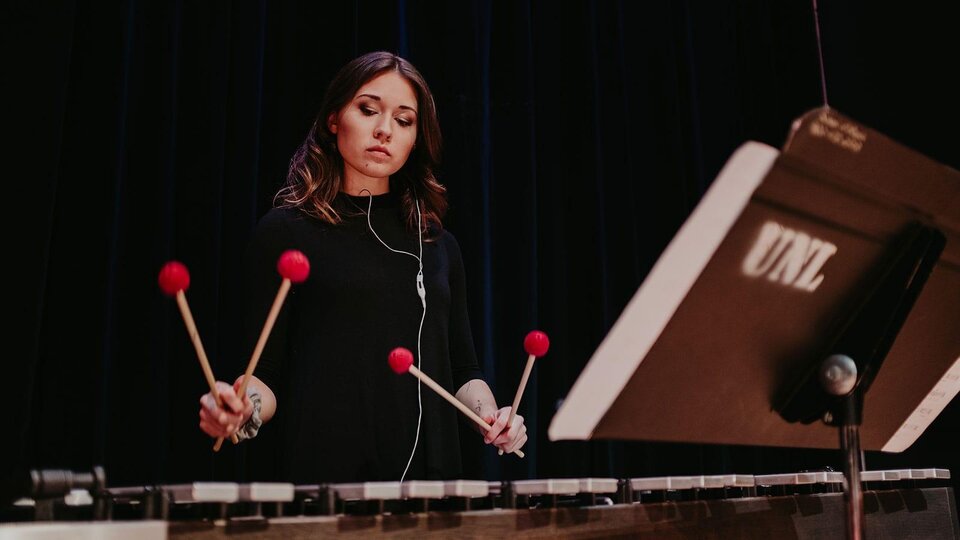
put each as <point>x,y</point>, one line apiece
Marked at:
<point>796,277</point>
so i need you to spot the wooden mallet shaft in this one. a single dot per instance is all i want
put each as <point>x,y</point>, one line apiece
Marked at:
<point>261,343</point>
<point>536,343</point>
<point>425,379</point>
<point>195,339</point>
<point>523,384</point>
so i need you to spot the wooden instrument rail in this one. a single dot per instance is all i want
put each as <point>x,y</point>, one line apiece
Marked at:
<point>922,513</point>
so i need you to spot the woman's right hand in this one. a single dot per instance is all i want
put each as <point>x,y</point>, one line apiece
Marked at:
<point>224,422</point>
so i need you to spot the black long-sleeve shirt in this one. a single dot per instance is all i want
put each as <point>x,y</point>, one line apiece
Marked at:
<point>343,414</point>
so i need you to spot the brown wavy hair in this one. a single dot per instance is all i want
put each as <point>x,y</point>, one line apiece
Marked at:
<point>315,175</point>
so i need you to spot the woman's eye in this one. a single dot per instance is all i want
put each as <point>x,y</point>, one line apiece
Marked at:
<point>367,110</point>
<point>404,122</point>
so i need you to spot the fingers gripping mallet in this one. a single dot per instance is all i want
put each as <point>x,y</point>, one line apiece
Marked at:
<point>174,279</point>
<point>293,267</point>
<point>401,361</point>
<point>536,344</point>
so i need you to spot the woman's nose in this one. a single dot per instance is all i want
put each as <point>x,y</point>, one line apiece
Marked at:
<point>382,131</point>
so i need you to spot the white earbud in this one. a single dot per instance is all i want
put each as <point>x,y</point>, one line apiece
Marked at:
<point>421,290</point>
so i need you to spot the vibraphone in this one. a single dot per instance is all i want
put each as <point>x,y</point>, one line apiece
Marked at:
<point>911,503</point>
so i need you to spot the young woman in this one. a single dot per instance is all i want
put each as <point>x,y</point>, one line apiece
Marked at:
<point>361,201</point>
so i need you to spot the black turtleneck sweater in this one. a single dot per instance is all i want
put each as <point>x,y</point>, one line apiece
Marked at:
<point>342,414</point>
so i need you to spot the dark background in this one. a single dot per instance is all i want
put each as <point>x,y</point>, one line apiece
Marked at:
<point>578,137</point>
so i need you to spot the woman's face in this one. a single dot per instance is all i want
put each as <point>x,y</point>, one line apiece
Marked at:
<point>376,130</point>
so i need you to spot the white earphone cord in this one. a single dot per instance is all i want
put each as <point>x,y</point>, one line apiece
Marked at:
<point>422,293</point>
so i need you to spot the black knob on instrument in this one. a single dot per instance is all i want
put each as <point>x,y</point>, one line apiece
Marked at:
<point>47,483</point>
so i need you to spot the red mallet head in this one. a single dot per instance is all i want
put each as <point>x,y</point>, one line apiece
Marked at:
<point>536,343</point>
<point>293,265</point>
<point>400,360</point>
<point>174,278</point>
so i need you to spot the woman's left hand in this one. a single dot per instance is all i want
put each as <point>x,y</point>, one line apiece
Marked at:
<point>506,438</point>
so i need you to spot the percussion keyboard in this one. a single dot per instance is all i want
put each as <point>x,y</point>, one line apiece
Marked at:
<point>905,503</point>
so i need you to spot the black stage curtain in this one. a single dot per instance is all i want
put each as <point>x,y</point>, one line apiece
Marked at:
<point>578,137</point>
